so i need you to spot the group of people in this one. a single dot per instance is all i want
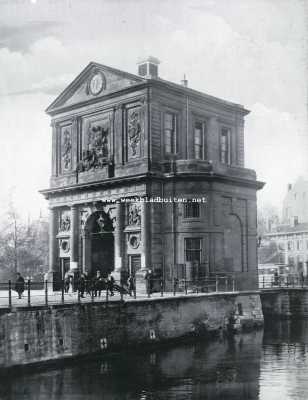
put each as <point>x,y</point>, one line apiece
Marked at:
<point>96,284</point>
<point>92,285</point>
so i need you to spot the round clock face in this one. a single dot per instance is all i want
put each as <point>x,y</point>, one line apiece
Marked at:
<point>96,83</point>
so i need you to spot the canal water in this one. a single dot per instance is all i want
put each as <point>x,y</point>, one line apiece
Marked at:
<point>271,364</point>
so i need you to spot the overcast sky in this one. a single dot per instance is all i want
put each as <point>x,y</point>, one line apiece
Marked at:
<point>251,52</point>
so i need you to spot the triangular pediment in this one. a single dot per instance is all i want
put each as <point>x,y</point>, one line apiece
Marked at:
<point>95,81</point>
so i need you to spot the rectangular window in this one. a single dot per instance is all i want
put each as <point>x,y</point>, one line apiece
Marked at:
<point>191,210</point>
<point>225,150</point>
<point>193,249</point>
<point>170,127</point>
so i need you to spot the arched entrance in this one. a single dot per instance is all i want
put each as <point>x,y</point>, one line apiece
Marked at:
<point>99,243</point>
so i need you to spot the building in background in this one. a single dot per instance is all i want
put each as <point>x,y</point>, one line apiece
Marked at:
<point>149,174</point>
<point>287,243</point>
<point>295,203</point>
<point>291,244</point>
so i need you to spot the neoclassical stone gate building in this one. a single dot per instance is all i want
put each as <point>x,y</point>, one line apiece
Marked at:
<point>147,173</point>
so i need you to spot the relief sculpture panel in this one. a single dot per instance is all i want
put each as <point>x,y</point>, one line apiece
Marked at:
<point>65,221</point>
<point>66,148</point>
<point>134,132</point>
<point>96,144</point>
<point>134,214</point>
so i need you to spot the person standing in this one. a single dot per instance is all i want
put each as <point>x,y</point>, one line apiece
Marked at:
<point>81,285</point>
<point>19,285</point>
<point>110,284</point>
<point>66,282</point>
<point>149,281</point>
<point>131,285</point>
<point>98,284</point>
<point>87,283</point>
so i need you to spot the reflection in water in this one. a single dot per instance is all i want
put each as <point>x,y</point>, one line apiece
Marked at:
<point>284,362</point>
<point>249,366</point>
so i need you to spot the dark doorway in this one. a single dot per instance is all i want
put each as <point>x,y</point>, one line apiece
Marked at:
<point>99,245</point>
<point>102,253</point>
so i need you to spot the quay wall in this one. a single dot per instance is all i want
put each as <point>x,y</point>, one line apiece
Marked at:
<point>285,303</point>
<point>42,334</point>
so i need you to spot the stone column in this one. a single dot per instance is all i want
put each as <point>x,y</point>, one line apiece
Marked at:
<point>118,237</point>
<point>53,272</point>
<point>145,261</point>
<point>86,251</point>
<point>74,237</point>
<point>145,256</point>
<point>53,247</point>
<point>118,242</point>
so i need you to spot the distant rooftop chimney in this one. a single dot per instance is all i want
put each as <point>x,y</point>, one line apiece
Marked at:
<point>184,81</point>
<point>148,68</point>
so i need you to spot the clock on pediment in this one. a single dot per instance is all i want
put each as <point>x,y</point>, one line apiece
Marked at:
<point>96,83</point>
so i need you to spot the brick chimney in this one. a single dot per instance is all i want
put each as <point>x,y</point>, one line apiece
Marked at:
<point>148,68</point>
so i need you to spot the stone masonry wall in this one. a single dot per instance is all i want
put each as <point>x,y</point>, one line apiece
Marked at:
<point>43,334</point>
<point>285,303</point>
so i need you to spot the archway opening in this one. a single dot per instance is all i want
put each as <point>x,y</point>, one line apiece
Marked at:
<point>100,244</point>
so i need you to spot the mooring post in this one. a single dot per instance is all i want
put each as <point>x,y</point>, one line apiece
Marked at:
<point>46,293</point>
<point>185,285</point>
<point>161,288</point>
<point>78,295</point>
<point>216,284</point>
<point>10,294</point>
<point>107,295</point>
<point>233,284</point>
<point>226,284</point>
<point>29,292</point>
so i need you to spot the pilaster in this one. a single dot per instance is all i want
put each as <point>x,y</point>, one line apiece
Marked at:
<point>53,243</point>
<point>118,238</point>
<point>74,237</point>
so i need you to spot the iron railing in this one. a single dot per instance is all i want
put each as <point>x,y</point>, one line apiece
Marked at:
<point>282,281</point>
<point>41,293</point>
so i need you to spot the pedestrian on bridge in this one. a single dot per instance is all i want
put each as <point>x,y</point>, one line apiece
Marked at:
<point>19,285</point>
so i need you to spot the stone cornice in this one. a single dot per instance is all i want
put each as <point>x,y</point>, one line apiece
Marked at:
<point>141,178</point>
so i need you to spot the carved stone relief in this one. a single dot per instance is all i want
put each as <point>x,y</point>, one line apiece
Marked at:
<point>84,215</point>
<point>64,245</point>
<point>134,132</point>
<point>101,215</point>
<point>96,153</point>
<point>66,149</point>
<point>133,240</point>
<point>134,214</point>
<point>65,221</point>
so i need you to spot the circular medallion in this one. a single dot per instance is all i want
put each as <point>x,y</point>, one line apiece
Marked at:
<point>97,83</point>
<point>134,242</point>
<point>65,246</point>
